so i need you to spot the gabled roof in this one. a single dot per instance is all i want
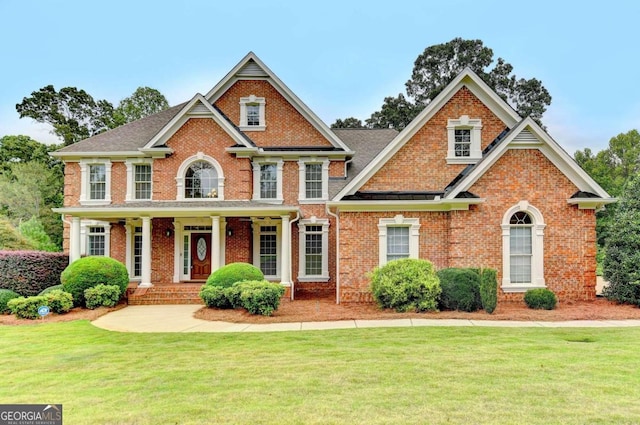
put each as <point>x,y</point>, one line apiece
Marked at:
<point>467,78</point>
<point>198,107</point>
<point>528,134</point>
<point>251,67</point>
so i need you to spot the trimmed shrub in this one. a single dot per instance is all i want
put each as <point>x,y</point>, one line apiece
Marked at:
<point>215,296</point>
<point>489,289</point>
<point>50,288</point>
<point>5,296</point>
<point>460,289</point>
<point>27,308</point>
<point>259,297</point>
<point>540,298</point>
<point>29,272</point>
<point>59,302</point>
<point>88,272</point>
<point>227,275</point>
<point>102,296</point>
<point>407,284</point>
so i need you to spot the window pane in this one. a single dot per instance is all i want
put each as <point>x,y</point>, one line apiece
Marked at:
<point>520,241</point>
<point>97,181</point>
<point>520,245</point>
<point>137,255</point>
<point>397,243</point>
<point>96,241</point>
<point>142,181</point>
<point>520,269</point>
<point>463,142</point>
<point>313,250</point>
<point>268,181</point>
<point>253,115</point>
<point>268,250</point>
<point>313,181</point>
<point>201,181</point>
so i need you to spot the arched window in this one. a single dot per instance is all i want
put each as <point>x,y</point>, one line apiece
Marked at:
<point>200,177</point>
<point>201,181</point>
<point>523,248</point>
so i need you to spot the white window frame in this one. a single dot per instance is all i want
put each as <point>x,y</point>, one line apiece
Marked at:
<point>279,199</point>
<point>302,180</point>
<point>131,178</point>
<point>537,249</point>
<point>257,231</point>
<point>182,171</point>
<point>252,100</point>
<point>85,233</point>
<point>302,230</point>
<point>85,184</point>
<point>464,123</point>
<point>398,221</point>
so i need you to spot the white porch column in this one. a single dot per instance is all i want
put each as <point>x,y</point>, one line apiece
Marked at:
<point>74,239</point>
<point>285,260</point>
<point>215,243</point>
<point>146,253</point>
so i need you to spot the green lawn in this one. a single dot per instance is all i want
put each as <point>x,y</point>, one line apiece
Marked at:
<point>360,376</point>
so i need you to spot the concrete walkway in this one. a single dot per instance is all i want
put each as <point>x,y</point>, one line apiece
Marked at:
<point>179,318</point>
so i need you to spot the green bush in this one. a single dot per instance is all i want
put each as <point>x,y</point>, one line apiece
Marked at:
<point>489,289</point>
<point>227,275</point>
<point>460,289</point>
<point>27,308</point>
<point>259,297</point>
<point>59,302</point>
<point>49,289</point>
<point>5,296</point>
<point>407,284</point>
<point>88,272</point>
<point>102,296</point>
<point>215,296</point>
<point>540,298</point>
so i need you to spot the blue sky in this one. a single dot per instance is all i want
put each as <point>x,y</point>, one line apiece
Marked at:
<point>340,57</point>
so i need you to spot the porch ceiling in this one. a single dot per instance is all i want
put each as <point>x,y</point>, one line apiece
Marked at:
<point>180,209</point>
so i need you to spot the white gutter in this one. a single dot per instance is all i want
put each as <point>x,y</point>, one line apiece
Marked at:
<point>290,254</point>
<point>337,251</point>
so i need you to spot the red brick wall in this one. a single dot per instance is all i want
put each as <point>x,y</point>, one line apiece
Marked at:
<point>421,163</point>
<point>285,126</point>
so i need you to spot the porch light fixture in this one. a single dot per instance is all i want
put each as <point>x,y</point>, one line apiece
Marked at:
<point>229,232</point>
<point>168,232</point>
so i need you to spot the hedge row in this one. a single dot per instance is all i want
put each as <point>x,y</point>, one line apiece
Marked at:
<point>30,272</point>
<point>257,297</point>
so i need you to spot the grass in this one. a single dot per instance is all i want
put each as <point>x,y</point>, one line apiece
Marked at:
<point>360,376</point>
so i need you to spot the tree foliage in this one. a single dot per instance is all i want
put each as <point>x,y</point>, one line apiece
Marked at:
<point>75,115</point>
<point>350,122</point>
<point>14,149</point>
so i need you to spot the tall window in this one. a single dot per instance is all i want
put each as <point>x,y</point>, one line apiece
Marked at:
<point>397,243</point>
<point>137,252</point>
<point>314,250</point>
<point>142,181</point>
<point>96,240</point>
<point>97,181</point>
<point>313,181</point>
<point>269,250</point>
<point>268,181</point>
<point>520,246</point>
<point>201,181</point>
<point>253,115</point>
<point>463,142</point>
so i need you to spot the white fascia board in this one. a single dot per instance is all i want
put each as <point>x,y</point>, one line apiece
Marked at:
<point>436,205</point>
<point>115,155</point>
<point>220,88</point>
<point>467,78</point>
<point>183,116</point>
<point>162,212</point>
<point>591,203</point>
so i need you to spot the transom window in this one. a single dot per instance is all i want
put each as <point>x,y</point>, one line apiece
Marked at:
<point>142,181</point>
<point>268,181</point>
<point>201,181</point>
<point>463,142</point>
<point>97,181</point>
<point>397,243</point>
<point>96,240</point>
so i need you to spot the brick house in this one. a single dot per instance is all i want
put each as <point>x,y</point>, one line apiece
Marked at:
<point>249,173</point>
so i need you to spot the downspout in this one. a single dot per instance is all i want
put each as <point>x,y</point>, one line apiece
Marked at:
<point>337,250</point>
<point>291,254</point>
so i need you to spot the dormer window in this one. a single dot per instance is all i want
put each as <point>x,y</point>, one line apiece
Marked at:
<point>252,116</point>
<point>464,140</point>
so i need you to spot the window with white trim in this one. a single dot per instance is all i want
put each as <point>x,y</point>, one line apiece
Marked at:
<point>266,247</point>
<point>95,182</point>
<point>314,250</point>
<point>137,252</point>
<point>464,140</point>
<point>398,238</point>
<point>139,179</point>
<point>267,180</point>
<point>95,236</point>
<point>200,177</point>
<point>314,179</point>
<point>522,248</point>
<point>252,113</point>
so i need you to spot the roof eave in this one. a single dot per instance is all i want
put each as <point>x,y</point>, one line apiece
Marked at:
<point>434,205</point>
<point>591,203</point>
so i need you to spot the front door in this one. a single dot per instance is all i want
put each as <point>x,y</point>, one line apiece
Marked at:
<point>200,255</point>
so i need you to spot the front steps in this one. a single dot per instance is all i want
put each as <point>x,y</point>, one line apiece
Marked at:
<point>179,293</point>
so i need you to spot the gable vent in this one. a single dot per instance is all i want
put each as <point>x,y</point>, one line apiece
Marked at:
<point>251,69</point>
<point>199,108</point>
<point>526,136</point>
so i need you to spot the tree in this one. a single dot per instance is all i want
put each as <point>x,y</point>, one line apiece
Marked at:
<point>14,149</point>
<point>143,102</point>
<point>33,231</point>
<point>11,239</point>
<point>396,113</point>
<point>350,122</point>
<point>622,250</point>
